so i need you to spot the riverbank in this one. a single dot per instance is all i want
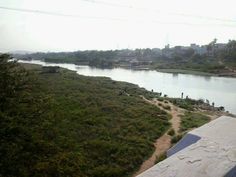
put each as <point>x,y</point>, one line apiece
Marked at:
<point>182,71</point>
<point>193,86</point>
<point>220,73</point>
<point>104,120</point>
<point>182,121</point>
<point>129,91</point>
<point>227,72</point>
<point>163,143</point>
<point>193,72</point>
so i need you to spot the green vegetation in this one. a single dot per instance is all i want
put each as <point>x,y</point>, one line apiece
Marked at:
<point>214,60</point>
<point>160,99</point>
<point>188,103</point>
<point>161,157</point>
<point>183,103</point>
<point>229,54</point>
<point>176,138</point>
<point>167,107</point>
<point>171,132</point>
<point>184,71</point>
<point>192,120</point>
<point>201,65</point>
<point>64,124</point>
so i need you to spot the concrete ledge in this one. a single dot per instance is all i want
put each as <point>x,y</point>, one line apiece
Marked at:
<point>213,155</point>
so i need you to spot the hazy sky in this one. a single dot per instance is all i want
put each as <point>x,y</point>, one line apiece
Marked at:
<point>68,25</point>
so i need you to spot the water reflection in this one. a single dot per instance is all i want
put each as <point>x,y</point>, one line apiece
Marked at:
<point>207,78</point>
<point>175,74</point>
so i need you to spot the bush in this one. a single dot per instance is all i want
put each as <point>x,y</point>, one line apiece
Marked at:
<point>193,120</point>
<point>64,124</point>
<point>176,138</point>
<point>171,132</point>
<point>184,103</point>
<point>167,107</point>
<point>160,158</point>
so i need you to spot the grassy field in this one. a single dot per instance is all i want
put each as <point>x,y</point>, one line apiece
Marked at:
<point>74,125</point>
<point>192,120</point>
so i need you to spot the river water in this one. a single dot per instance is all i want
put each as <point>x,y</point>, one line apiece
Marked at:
<point>220,90</point>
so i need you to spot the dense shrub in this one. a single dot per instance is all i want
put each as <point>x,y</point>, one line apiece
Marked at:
<point>161,157</point>
<point>167,107</point>
<point>64,124</point>
<point>176,138</point>
<point>171,132</point>
<point>184,103</point>
<point>192,120</point>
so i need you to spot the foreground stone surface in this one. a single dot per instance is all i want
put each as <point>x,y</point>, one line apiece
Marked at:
<point>213,155</point>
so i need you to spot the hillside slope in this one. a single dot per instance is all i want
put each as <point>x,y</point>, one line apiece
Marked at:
<point>64,124</point>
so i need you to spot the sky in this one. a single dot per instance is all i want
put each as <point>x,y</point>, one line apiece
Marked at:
<point>70,25</point>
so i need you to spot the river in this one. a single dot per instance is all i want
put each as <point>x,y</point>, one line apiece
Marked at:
<point>220,90</point>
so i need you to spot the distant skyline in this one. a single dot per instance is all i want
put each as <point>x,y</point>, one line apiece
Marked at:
<point>70,25</point>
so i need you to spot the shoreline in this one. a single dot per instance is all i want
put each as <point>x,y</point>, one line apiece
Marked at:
<point>190,72</point>
<point>148,68</point>
<point>198,73</point>
<point>219,104</point>
<point>163,143</point>
<point>36,66</point>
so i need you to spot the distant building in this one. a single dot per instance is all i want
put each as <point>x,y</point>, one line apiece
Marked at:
<point>215,48</point>
<point>167,46</point>
<point>220,46</point>
<point>181,50</point>
<point>156,51</point>
<point>201,50</point>
<point>167,51</point>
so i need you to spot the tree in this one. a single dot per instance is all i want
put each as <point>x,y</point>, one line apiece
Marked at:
<point>210,46</point>
<point>12,81</point>
<point>27,134</point>
<point>231,50</point>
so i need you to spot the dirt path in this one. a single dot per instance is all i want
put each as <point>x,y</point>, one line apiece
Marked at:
<point>163,143</point>
<point>175,112</point>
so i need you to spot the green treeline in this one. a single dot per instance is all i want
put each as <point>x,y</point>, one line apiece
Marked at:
<point>63,124</point>
<point>214,60</point>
